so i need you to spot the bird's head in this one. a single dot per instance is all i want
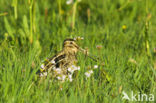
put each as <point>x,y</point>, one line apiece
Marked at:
<point>69,45</point>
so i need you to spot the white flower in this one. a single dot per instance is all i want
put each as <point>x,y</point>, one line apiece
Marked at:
<point>54,68</point>
<point>41,75</point>
<point>91,71</point>
<point>68,2</point>
<point>88,73</point>
<point>45,73</point>
<point>58,70</point>
<point>70,78</point>
<point>42,66</point>
<point>73,68</point>
<point>59,78</point>
<point>53,62</point>
<point>81,38</point>
<point>78,38</point>
<point>78,68</point>
<point>63,77</point>
<point>95,66</point>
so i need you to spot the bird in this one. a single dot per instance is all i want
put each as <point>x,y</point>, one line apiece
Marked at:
<point>60,63</point>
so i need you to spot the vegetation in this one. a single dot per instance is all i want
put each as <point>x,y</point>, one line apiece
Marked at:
<point>120,32</point>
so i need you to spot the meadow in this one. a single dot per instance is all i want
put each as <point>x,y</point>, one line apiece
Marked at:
<point>121,33</point>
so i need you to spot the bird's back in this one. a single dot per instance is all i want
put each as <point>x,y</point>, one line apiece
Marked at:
<point>61,61</point>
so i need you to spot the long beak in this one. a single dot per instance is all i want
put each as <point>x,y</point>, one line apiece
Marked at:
<point>93,57</point>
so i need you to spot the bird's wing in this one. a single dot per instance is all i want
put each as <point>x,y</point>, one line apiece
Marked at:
<point>52,62</point>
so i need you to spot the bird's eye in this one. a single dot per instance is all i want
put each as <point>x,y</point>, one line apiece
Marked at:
<point>71,42</point>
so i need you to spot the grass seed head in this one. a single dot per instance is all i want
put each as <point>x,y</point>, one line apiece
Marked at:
<point>99,47</point>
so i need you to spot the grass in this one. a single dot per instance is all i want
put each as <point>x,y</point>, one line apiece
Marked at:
<point>32,30</point>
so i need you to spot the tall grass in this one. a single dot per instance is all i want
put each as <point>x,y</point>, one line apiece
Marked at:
<point>33,30</point>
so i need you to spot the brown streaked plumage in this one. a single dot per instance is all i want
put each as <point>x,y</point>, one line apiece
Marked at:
<point>59,66</point>
<point>63,59</point>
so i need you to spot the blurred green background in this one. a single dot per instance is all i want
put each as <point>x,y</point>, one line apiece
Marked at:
<point>32,30</point>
